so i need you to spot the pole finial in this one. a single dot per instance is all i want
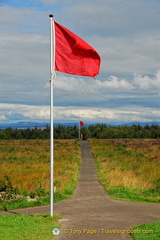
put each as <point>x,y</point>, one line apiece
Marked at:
<point>51,15</point>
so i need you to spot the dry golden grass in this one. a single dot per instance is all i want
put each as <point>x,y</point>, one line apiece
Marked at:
<point>26,176</point>
<point>128,163</point>
<point>27,163</point>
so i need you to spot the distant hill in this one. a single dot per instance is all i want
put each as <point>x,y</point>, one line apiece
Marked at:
<point>24,125</point>
<point>140,123</point>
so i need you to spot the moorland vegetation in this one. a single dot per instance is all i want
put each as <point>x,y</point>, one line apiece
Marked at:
<point>129,168</point>
<point>25,171</point>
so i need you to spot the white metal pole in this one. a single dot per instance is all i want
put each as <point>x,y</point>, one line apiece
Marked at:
<point>79,129</point>
<point>52,77</point>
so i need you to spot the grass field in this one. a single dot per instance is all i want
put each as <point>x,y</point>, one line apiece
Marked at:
<point>147,232</point>
<point>25,170</point>
<point>24,227</point>
<point>129,168</point>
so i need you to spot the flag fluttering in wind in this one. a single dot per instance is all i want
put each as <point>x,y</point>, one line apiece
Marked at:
<point>69,54</point>
<point>81,123</point>
<point>73,55</point>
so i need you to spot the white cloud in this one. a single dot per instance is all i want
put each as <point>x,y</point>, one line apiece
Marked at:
<point>15,112</point>
<point>75,113</point>
<point>136,83</point>
<point>115,115</point>
<point>114,83</point>
<point>2,117</point>
<point>126,35</point>
<point>40,112</point>
<point>146,82</point>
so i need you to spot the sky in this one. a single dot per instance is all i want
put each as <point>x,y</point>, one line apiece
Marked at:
<point>125,33</point>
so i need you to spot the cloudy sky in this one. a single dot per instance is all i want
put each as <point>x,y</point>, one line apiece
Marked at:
<point>125,33</point>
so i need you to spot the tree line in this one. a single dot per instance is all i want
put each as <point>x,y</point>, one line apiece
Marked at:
<point>100,131</point>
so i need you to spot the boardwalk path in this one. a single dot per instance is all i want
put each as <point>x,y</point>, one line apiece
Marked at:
<point>92,209</point>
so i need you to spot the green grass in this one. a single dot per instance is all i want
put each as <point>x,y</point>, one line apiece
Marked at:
<point>135,195</point>
<point>24,227</point>
<point>41,201</point>
<point>147,232</point>
<point>22,203</point>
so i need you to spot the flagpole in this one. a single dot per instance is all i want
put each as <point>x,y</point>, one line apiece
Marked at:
<point>79,129</point>
<point>52,78</point>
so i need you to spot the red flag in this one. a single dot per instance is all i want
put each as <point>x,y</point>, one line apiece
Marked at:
<point>73,55</point>
<point>81,124</point>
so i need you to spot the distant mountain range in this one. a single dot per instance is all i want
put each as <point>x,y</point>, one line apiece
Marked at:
<point>24,125</point>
